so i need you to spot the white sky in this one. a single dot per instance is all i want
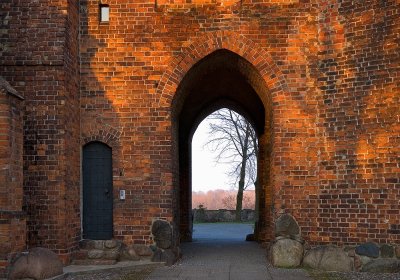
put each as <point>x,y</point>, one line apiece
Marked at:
<point>207,174</point>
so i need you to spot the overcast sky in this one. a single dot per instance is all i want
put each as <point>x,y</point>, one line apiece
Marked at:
<point>207,174</point>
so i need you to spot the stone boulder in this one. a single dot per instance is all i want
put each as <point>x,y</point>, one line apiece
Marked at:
<point>287,226</point>
<point>112,254</point>
<point>250,237</point>
<point>162,233</point>
<point>387,251</point>
<point>95,254</point>
<point>38,263</point>
<point>369,249</point>
<point>382,266</point>
<point>142,250</point>
<point>397,252</point>
<point>365,259</point>
<point>98,244</point>
<point>111,244</point>
<point>286,253</point>
<point>328,258</point>
<point>357,263</point>
<point>169,256</point>
<point>128,253</point>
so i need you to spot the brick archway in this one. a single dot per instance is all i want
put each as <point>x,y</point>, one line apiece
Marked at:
<point>263,78</point>
<point>102,132</point>
<point>213,41</point>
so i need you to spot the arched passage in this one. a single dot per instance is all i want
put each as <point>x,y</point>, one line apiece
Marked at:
<point>220,79</point>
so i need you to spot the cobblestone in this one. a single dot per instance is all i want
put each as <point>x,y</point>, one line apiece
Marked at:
<point>319,275</point>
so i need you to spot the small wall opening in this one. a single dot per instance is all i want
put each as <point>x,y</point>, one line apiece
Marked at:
<point>104,13</point>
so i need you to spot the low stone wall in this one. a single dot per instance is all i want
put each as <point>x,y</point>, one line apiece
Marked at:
<point>109,252</point>
<point>221,215</point>
<point>289,249</point>
<point>366,257</point>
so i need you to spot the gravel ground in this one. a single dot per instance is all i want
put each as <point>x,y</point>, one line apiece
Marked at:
<point>136,274</point>
<point>320,275</point>
<point>142,274</point>
<point>317,275</point>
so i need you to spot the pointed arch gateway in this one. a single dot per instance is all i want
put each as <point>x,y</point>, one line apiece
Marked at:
<point>220,70</point>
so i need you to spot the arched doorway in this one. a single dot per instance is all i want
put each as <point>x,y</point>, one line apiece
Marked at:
<point>97,191</point>
<point>221,79</point>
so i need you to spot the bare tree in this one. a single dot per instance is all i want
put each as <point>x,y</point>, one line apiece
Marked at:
<point>235,141</point>
<point>229,201</point>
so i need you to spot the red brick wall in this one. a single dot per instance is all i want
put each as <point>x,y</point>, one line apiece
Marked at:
<point>326,72</point>
<point>12,218</point>
<point>330,70</point>
<point>40,59</point>
<point>358,77</point>
<point>71,217</point>
<point>352,194</point>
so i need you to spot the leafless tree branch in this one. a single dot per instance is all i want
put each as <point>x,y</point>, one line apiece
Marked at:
<point>234,140</point>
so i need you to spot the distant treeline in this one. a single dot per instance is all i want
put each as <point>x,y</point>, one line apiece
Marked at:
<point>222,199</point>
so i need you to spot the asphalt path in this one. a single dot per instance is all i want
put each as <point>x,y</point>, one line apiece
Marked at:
<point>219,251</point>
<point>221,232</point>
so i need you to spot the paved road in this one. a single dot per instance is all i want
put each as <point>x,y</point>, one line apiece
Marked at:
<point>221,232</point>
<point>219,252</point>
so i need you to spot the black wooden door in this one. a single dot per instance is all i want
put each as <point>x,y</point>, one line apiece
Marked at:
<point>97,191</point>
